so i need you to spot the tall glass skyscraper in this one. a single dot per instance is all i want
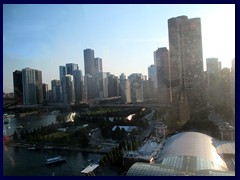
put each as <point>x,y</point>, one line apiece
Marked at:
<point>89,62</point>
<point>68,89</point>
<point>71,67</point>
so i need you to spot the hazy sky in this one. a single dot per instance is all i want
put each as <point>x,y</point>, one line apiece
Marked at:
<point>44,37</point>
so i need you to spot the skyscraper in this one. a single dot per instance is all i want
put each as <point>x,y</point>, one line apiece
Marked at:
<point>125,89</point>
<point>136,86</point>
<point>68,89</point>
<point>98,65</point>
<point>113,85</point>
<point>38,76</point>
<point>62,71</point>
<point>78,83</point>
<point>212,65</point>
<point>152,75</point>
<point>89,61</point>
<point>102,85</point>
<point>45,92</point>
<point>57,95</point>
<point>161,60</point>
<point>186,60</point>
<point>71,67</point>
<point>29,86</point>
<point>18,86</point>
<point>212,80</point>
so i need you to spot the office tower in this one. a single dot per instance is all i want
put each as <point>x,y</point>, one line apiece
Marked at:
<point>125,89</point>
<point>113,86</point>
<point>57,95</point>
<point>71,67</point>
<point>212,79</point>
<point>62,72</point>
<point>45,92</point>
<point>98,65</point>
<point>89,61</point>
<point>148,91</point>
<point>68,89</point>
<point>161,60</point>
<point>29,86</point>
<point>102,85</point>
<point>78,83</point>
<point>186,61</point>
<point>18,86</point>
<point>153,81</point>
<point>136,87</point>
<point>213,66</point>
<point>38,76</point>
<point>152,75</point>
<point>225,87</point>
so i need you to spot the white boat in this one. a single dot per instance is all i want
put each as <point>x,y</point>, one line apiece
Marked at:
<point>55,160</point>
<point>32,148</point>
<point>20,127</point>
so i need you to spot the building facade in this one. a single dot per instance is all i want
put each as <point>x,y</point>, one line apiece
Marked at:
<point>186,61</point>
<point>29,86</point>
<point>68,89</point>
<point>89,61</point>
<point>18,87</point>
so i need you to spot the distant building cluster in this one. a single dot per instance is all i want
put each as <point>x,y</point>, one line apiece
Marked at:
<point>176,78</point>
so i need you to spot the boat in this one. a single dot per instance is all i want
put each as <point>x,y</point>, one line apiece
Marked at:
<point>55,160</point>
<point>32,148</point>
<point>91,169</point>
<point>19,127</point>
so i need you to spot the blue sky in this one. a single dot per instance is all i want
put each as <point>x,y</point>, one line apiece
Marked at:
<point>45,36</point>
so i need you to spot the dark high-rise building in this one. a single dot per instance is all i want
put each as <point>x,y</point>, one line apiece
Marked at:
<point>89,61</point>
<point>161,60</point>
<point>78,83</point>
<point>45,92</point>
<point>98,65</point>
<point>62,71</point>
<point>212,80</point>
<point>18,87</point>
<point>125,89</point>
<point>71,67</point>
<point>186,60</point>
<point>57,95</point>
<point>113,86</point>
<point>38,76</point>
<point>68,89</point>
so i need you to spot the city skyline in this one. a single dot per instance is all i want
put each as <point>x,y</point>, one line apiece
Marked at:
<point>123,36</point>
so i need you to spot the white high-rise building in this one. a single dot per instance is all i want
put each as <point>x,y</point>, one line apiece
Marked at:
<point>29,86</point>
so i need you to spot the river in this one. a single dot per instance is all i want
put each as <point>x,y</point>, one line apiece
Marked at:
<point>18,161</point>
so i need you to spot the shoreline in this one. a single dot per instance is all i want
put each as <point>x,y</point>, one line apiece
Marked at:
<point>55,147</point>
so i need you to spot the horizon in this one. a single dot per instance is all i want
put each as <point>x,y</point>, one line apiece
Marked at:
<point>122,35</point>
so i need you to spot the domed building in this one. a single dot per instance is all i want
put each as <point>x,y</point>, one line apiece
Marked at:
<point>188,153</point>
